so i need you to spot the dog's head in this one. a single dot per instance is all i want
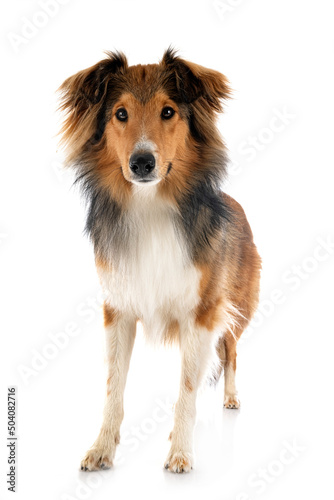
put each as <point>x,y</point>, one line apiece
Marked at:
<point>146,121</point>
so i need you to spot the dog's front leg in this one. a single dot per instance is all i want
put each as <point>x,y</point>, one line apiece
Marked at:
<point>197,350</point>
<point>120,334</point>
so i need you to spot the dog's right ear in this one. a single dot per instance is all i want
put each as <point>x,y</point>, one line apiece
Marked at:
<point>83,98</point>
<point>195,82</point>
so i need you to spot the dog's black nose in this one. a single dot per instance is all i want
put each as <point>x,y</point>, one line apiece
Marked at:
<point>142,164</point>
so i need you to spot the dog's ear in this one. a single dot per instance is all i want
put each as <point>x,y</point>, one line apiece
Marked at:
<point>194,81</point>
<point>83,97</point>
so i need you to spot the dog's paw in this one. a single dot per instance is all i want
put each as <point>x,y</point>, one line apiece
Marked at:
<point>97,459</point>
<point>231,402</point>
<point>179,461</point>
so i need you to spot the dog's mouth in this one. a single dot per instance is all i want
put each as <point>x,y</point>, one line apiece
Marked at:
<point>140,182</point>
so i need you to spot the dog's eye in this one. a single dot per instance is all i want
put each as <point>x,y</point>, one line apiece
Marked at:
<point>122,114</point>
<point>167,113</point>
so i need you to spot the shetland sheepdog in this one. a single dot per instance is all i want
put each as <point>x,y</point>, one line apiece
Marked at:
<point>171,249</point>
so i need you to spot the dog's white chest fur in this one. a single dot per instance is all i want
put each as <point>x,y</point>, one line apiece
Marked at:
<point>154,278</point>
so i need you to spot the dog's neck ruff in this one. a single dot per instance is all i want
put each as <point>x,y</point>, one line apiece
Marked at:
<point>153,277</point>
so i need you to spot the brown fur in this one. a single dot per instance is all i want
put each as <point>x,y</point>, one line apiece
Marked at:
<point>143,92</point>
<point>172,333</point>
<point>242,283</point>
<point>184,156</point>
<point>109,314</point>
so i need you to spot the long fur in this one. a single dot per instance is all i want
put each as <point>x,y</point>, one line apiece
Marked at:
<point>176,253</point>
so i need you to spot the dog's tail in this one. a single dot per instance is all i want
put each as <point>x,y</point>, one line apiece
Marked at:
<point>220,362</point>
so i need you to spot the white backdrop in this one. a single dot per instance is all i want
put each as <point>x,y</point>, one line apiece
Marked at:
<point>278,56</point>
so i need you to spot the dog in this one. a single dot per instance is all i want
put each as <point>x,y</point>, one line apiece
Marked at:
<point>171,249</point>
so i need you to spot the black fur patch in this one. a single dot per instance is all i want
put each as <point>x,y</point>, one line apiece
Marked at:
<point>105,224</point>
<point>204,217</point>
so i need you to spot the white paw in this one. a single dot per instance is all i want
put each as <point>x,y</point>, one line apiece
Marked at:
<point>179,461</point>
<point>231,402</point>
<point>96,459</point>
<point>101,454</point>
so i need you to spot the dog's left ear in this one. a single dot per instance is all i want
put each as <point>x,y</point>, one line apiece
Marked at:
<point>194,81</point>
